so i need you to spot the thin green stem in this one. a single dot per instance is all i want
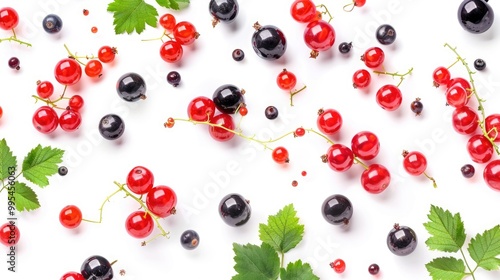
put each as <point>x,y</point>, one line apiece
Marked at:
<point>432,179</point>
<point>320,135</point>
<point>14,38</point>
<point>53,103</point>
<point>349,7</point>
<point>292,93</point>
<point>282,259</point>
<point>467,264</point>
<point>3,186</point>
<point>71,55</point>
<point>453,64</point>
<point>159,38</point>
<point>101,208</point>
<point>326,12</point>
<point>395,74</point>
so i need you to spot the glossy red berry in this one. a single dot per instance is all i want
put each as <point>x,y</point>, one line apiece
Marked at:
<point>72,276</point>
<point>340,158</point>
<point>338,265</point>
<point>361,78</point>
<point>94,29</point>
<point>140,180</point>
<point>359,3</point>
<point>201,109</point>
<point>139,224</point>
<point>8,18</point>
<point>460,81</point>
<point>414,162</point>
<point>373,269</point>
<point>465,120</point>
<point>299,132</point>
<point>319,35</point>
<point>168,22</point>
<point>375,179</point>
<point>491,174</point>
<point>373,57</point>
<point>9,234</point>
<point>492,125</point>
<point>45,119</point>
<point>93,68</point>
<point>185,33</point>
<point>171,51</point>
<point>75,102</point>
<point>223,122</point>
<point>70,216</point>
<point>389,97</point>
<point>280,155</point>
<point>243,111</point>
<point>456,96</point>
<point>1,112</point>
<point>303,11</point>
<point>106,54</point>
<point>161,201</point>
<point>44,89</point>
<point>286,80</point>
<point>329,121</point>
<point>480,148</point>
<point>365,145</point>
<point>70,120</point>
<point>441,76</point>
<point>68,72</point>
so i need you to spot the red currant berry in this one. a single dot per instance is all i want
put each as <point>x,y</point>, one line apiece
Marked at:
<point>70,120</point>
<point>1,112</point>
<point>8,18</point>
<point>85,12</point>
<point>441,76</point>
<point>44,89</point>
<point>365,145</point>
<point>299,132</point>
<point>243,111</point>
<point>373,269</point>
<point>72,276</point>
<point>171,51</point>
<point>456,96</point>
<point>389,97</point>
<point>361,78</point>
<point>375,179</point>
<point>319,36</point>
<point>9,234</point>
<point>140,180</point>
<point>338,265</point>
<point>492,125</point>
<point>491,174</point>
<point>201,109</point>
<point>329,121</point>
<point>303,10</point>
<point>222,123</point>
<point>68,72</point>
<point>139,224</point>
<point>480,148</point>
<point>373,57</point>
<point>70,216</point>
<point>286,80</point>
<point>161,201</point>
<point>460,81</point>
<point>75,103</point>
<point>280,155</point>
<point>94,29</point>
<point>170,123</point>
<point>93,68</point>
<point>414,162</point>
<point>106,54</point>
<point>340,158</point>
<point>45,119</point>
<point>468,170</point>
<point>359,3</point>
<point>185,33</point>
<point>465,120</point>
<point>168,22</point>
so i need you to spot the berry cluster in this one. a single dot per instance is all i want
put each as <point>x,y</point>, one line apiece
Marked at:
<point>93,268</point>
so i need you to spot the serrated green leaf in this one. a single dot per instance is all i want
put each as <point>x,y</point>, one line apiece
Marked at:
<point>254,262</point>
<point>447,268</point>
<point>40,163</point>
<point>283,231</point>
<point>182,4</point>
<point>7,160</point>
<point>447,230</point>
<point>298,271</point>
<point>132,15</point>
<point>165,3</point>
<point>484,249</point>
<point>25,198</point>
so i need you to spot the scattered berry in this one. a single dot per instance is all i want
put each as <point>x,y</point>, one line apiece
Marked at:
<point>475,16</point>
<point>295,183</point>
<point>491,174</point>
<point>85,12</point>
<point>465,120</point>
<point>329,121</point>
<point>173,78</point>
<point>338,265</point>
<point>268,42</point>
<point>416,106</point>
<point>131,87</point>
<point>93,68</point>
<point>468,170</point>
<point>70,216</point>
<point>373,269</point>
<point>339,157</point>
<point>480,148</point>
<point>299,132</point>
<point>190,239</point>
<point>303,11</point>
<point>401,240</point>
<point>441,76</point>
<point>170,123</point>
<point>223,10</point>
<point>52,24</point>
<point>243,111</point>
<point>479,64</point>
<point>234,210</point>
<point>93,29</point>
<point>375,179</point>
<point>44,89</point>
<point>385,34</point>
<point>9,19</point>
<point>414,162</point>
<point>280,155</point>
<point>345,47</point>
<point>14,63</point>
<point>201,109</point>
<point>72,276</point>
<point>139,224</point>
<point>361,78</point>
<point>319,36</point>
<point>1,112</point>
<point>96,268</point>
<point>140,180</point>
<point>337,210</point>
<point>227,98</point>
<point>111,127</point>
<point>9,234</point>
<point>220,130</point>
<point>238,55</point>
<point>303,173</point>
<point>389,97</point>
<point>168,22</point>
<point>271,112</point>
<point>106,54</point>
<point>286,80</point>
<point>171,51</point>
<point>373,57</point>
<point>62,170</point>
<point>456,96</point>
<point>185,33</point>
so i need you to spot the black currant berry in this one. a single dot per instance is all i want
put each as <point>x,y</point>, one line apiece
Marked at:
<point>345,47</point>
<point>238,55</point>
<point>52,23</point>
<point>373,269</point>
<point>14,63</point>
<point>268,42</point>
<point>401,240</point>
<point>111,127</point>
<point>227,98</point>
<point>131,87</point>
<point>479,64</point>
<point>190,239</point>
<point>417,107</point>
<point>174,78</point>
<point>385,34</point>
<point>234,210</point>
<point>337,209</point>
<point>62,170</point>
<point>468,170</point>
<point>475,16</point>
<point>96,268</point>
<point>223,10</point>
<point>271,112</point>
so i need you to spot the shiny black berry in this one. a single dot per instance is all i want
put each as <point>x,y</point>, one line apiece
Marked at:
<point>268,42</point>
<point>417,107</point>
<point>479,64</point>
<point>227,98</point>
<point>174,78</point>
<point>234,210</point>
<point>52,23</point>
<point>238,55</point>
<point>223,10</point>
<point>271,112</point>
<point>111,127</point>
<point>401,240</point>
<point>190,239</point>
<point>468,171</point>
<point>475,16</point>
<point>62,170</point>
<point>96,268</point>
<point>131,87</point>
<point>385,34</point>
<point>337,209</point>
<point>345,47</point>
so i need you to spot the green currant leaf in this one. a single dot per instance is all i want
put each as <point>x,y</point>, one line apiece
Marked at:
<point>25,198</point>
<point>182,4</point>
<point>283,231</point>
<point>447,231</point>
<point>7,160</point>
<point>40,163</point>
<point>298,271</point>
<point>255,262</point>
<point>165,3</point>
<point>446,269</point>
<point>132,15</point>
<point>484,249</point>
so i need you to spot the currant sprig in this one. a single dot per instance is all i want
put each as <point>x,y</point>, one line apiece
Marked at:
<point>77,58</point>
<point>325,12</point>
<point>14,38</point>
<point>52,103</point>
<point>165,33</point>
<point>479,100</point>
<point>395,74</point>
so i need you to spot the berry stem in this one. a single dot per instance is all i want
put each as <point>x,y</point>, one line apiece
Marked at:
<point>71,55</point>
<point>102,207</point>
<point>52,102</point>
<point>282,259</point>
<point>159,38</point>
<point>476,95</point>
<point>292,93</point>
<point>432,179</point>
<point>14,38</point>
<point>453,64</point>
<point>467,264</point>
<point>349,7</point>
<point>395,74</point>
<point>326,12</point>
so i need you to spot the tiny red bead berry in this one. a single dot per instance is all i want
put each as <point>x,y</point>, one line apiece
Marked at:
<point>9,234</point>
<point>75,102</point>
<point>295,183</point>
<point>373,269</point>
<point>286,80</point>
<point>106,54</point>
<point>243,111</point>
<point>280,155</point>
<point>304,173</point>
<point>329,121</point>
<point>338,265</point>
<point>93,29</point>
<point>359,3</point>
<point>93,68</point>
<point>299,132</point>
<point>168,22</point>
<point>170,123</point>
<point>44,89</point>
<point>373,57</point>
<point>85,12</point>
<point>441,76</point>
<point>414,162</point>
<point>361,78</point>
<point>70,216</point>
<point>8,18</point>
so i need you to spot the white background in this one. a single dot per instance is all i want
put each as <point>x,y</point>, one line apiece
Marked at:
<point>196,167</point>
